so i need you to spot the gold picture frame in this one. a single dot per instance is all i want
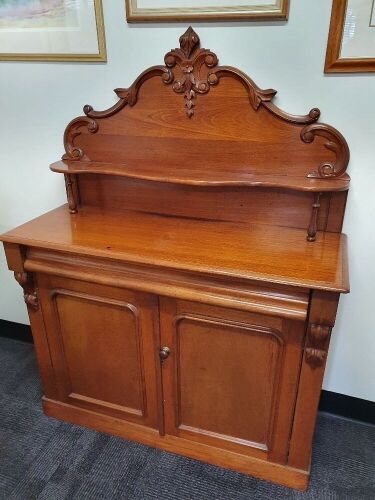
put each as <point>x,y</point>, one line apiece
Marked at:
<point>335,61</point>
<point>259,12</point>
<point>100,56</point>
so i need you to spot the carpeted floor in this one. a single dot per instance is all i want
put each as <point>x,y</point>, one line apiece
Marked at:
<point>42,458</point>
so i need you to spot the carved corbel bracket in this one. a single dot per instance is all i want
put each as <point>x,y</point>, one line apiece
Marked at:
<point>73,130</point>
<point>317,344</point>
<point>336,143</point>
<point>30,294</point>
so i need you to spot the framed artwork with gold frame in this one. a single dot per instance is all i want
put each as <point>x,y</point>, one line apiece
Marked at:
<point>205,10</point>
<point>351,39</point>
<point>52,30</point>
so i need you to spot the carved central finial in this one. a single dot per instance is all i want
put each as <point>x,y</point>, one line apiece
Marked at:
<point>189,41</point>
<point>194,65</point>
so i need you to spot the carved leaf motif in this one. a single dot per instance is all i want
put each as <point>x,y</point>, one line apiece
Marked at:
<point>315,357</point>
<point>31,299</point>
<point>188,41</point>
<point>191,61</point>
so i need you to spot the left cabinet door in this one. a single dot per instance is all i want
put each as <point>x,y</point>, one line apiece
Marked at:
<point>102,344</point>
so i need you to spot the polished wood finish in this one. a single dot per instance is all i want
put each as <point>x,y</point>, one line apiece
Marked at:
<point>227,112</point>
<point>193,175</point>
<point>102,343</point>
<point>266,253</point>
<point>185,295</point>
<point>260,205</point>
<point>322,315</point>
<point>334,63</point>
<point>211,348</point>
<point>267,299</point>
<point>287,476</point>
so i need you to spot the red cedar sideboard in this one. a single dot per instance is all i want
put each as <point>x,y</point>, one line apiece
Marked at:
<point>184,297</point>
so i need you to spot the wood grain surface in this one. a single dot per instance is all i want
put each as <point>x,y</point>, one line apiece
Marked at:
<point>265,253</point>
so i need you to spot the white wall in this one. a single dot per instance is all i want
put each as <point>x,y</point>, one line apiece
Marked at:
<point>38,99</point>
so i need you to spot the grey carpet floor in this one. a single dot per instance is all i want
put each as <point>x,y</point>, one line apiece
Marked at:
<point>42,458</point>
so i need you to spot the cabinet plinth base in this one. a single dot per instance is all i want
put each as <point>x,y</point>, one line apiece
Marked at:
<point>284,475</point>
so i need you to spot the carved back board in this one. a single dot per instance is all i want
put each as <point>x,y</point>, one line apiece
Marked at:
<point>195,123</point>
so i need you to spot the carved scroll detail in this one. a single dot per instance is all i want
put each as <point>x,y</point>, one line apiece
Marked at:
<point>336,143</point>
<point>72,131</point>
<point>197,71</point>
<point>30,294</point>
<point>317,344</point>
<point>257,96</point>
<point>190,71</point>
<point>312,116</point>
<point>129,95</point>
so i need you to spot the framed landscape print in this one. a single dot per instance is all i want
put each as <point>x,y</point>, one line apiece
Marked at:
<point>205,10</point>
<point>52,30</point>
<point>351,40</point>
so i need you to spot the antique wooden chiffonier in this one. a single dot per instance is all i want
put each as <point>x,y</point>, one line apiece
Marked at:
<point>185,295</point>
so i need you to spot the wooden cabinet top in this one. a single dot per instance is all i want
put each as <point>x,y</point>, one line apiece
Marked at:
<point>254,252</point>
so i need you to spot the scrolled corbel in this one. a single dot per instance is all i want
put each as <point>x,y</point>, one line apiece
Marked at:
<point>316,349</point>
<point>73,130</point>
<point>30,293</point>
<point>336,143</point>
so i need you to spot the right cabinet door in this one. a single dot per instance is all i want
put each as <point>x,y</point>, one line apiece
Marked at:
<point>230,378</point>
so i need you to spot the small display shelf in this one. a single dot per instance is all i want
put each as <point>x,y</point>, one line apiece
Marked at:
<point>202,175</point>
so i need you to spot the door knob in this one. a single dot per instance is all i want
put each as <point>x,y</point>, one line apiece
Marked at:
<point>164,353</point>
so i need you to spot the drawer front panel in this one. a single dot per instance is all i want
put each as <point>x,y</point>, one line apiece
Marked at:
<point>103,344</point>
<point>231,377</point>
<point>266,299</point>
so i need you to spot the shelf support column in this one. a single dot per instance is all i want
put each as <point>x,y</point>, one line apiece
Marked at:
<point>72,192</point>
<point>313,225</point>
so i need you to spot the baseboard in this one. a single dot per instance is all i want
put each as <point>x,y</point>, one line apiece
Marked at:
<point>15,331</point>
<point>347,406</point>
<point>229,459</point>
<point>330,402</point>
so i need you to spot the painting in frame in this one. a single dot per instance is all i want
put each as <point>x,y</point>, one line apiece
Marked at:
<point>351,39</point>
<point>205,10</point>
<point>52,30</point>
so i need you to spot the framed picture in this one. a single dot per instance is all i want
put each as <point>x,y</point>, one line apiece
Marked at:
<point>205,10</point>
<point>351,40</point>
<point>52,30</point>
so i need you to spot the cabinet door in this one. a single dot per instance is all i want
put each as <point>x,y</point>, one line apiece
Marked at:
<point>230,378</point>
<point>103,343</point>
